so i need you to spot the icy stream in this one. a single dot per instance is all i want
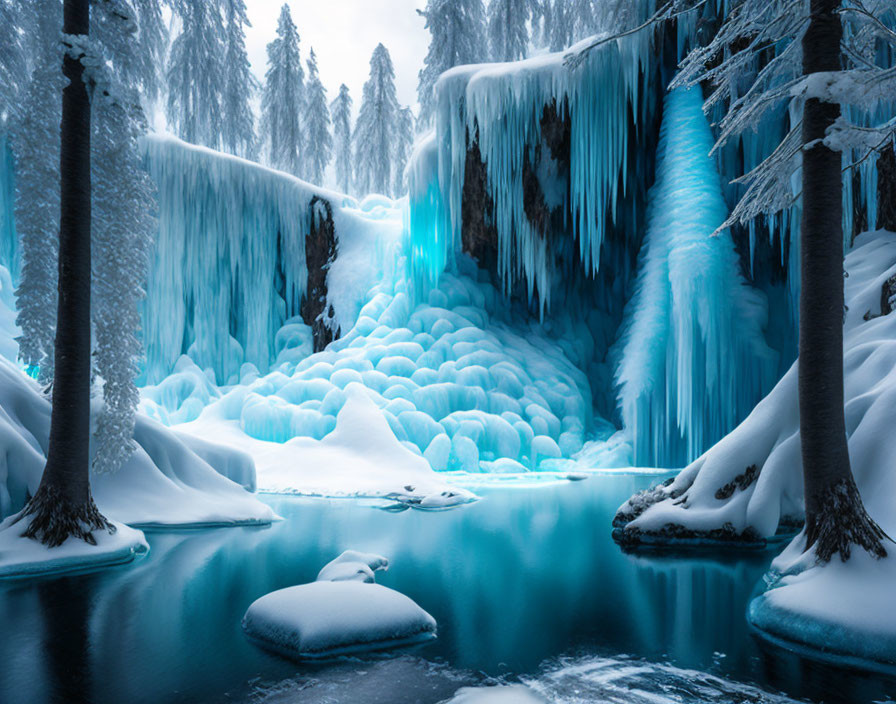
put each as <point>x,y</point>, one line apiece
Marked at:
<point>526,586</point>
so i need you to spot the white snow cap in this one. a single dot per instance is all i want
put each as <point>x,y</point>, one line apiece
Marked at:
<point>344,611</point>
<point>505,694</point>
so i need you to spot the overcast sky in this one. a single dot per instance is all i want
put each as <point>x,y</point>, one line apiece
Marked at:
<point>344,34</point>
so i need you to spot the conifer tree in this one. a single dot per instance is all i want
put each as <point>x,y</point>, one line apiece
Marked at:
<point>376,127</point>
<point>404,143</point>
<point>458,37</point>
<point>341,113</point>
<point>197,73</point>
<point>318,140</point>
<point>507,31</point>
<point>283,100</point>
<point>238,135</point>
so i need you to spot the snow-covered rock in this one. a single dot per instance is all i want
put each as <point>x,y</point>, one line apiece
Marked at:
<point>344,611</point>
<point>25,557</point>
<point>503,694</point>
<point>749,485</point>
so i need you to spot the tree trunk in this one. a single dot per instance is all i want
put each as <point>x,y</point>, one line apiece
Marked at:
<point>835,515</point>
<point>63,505</point>
<point>886,189</point>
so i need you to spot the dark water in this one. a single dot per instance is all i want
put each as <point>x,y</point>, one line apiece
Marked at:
<point>525,584</point>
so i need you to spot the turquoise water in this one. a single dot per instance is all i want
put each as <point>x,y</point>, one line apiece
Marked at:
<point>525,584</point>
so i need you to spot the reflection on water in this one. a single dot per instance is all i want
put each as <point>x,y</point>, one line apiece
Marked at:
<point>515,581</point>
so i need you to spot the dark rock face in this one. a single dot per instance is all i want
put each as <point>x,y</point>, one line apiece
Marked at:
<point>479,236</point>
<point>320,252</point>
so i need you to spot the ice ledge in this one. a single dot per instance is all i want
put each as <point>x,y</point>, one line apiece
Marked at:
<point>22,558</point>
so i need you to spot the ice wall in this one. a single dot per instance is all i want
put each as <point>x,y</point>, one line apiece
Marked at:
<point>692,358</point>
<point>608,97</point>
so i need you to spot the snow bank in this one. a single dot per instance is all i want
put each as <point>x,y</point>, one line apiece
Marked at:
<point>164,482</point>
<point>343,612</point>
<point>749,485</point>
<point>25,557</point>
<point>841,611</point>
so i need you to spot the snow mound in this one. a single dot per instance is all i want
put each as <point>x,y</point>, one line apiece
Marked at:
<point>841,611</point>
<point>24,557</point>
<point>503,694</point>
<point>166,482</point>
<point>343,612</point>
<point>748,486</point>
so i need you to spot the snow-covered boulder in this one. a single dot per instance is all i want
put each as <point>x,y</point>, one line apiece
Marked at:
<point>748,486</point>
<point>504,694</point>
<point>344,611</point>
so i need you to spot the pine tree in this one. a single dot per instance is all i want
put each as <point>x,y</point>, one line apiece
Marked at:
<point>583,20</point>
<point>35,141</point>
<point>508,34</point>
<point>458,37</point>
<point>404,144</point>
<point>123,231</point>
<point>196,73</point>
<point>62,506</point>
<point>238,135</point>
<point>376,126</point>
<point>152,45</point>
<point>562,25</point>
<point>318,140</point>
<point>13,65</point>
<point>341,113</point>
<point>283,100</point>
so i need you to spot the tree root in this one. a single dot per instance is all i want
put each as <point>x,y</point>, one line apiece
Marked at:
<point>54,518</point>
<point>842,522</point>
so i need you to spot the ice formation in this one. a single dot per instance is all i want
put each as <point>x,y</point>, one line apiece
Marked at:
<point>458,380</point>
<point>748,486</point>
<point>607,97</point>
<point>229,267</point>
<point>343,612</point>
<point>692,355</point>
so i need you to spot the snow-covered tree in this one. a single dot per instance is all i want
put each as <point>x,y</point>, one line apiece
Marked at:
<point>238,120</point>
<point>458,35</point>
<point>583,19</point>
<point>341,113</point>
<point>13,59</point>
<point>318,140</point>
<point>376,126</point>
<point>283,101</point>
<point>562,25</point>
<point>35,140</point>
<point>404,144</point>
<point>507,30</point>
<point>152,45</point>
<point>122,231</point>
<point>197,73</point>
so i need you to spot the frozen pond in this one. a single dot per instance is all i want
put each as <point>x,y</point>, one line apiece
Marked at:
<point>525,584</point>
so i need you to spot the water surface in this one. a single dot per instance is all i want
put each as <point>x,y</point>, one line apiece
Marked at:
<point>525,584</point>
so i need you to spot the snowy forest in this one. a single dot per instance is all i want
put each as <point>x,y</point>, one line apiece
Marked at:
<point>448,351</point>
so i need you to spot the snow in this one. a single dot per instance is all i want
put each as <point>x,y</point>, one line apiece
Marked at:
<point>169,480</point>
<point>501,694</point>
<point>841,610</point>
<point>769,437</point>
<point>22,557</point>
<point>692,355</point>
<point>343,612</point>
